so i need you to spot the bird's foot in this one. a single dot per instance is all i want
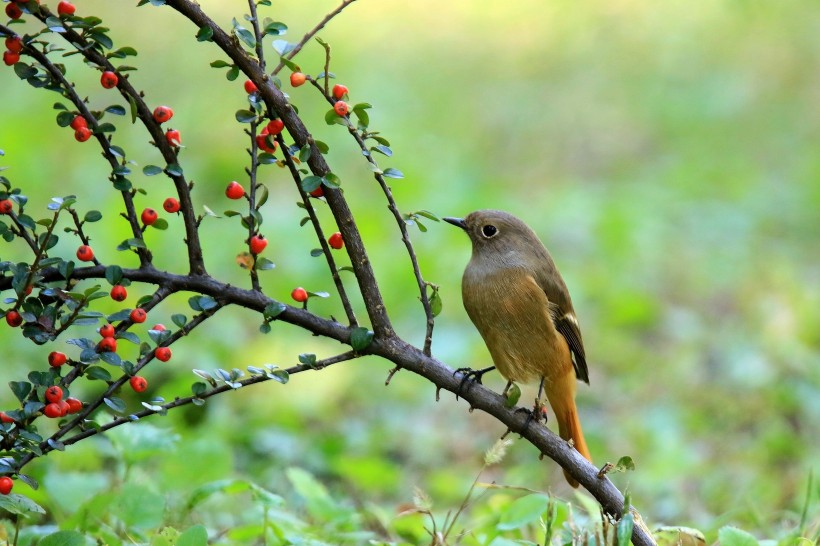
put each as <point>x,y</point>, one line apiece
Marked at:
<point>538,413</point>
<point>470,374</point>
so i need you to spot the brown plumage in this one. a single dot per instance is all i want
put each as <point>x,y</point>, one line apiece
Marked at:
<point>518,301</point>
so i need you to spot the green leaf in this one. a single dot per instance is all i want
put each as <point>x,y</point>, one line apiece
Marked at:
<point>360,338</point>
<point>202,303</point>
<point>233,73</point>
<point>290,64</point>
<point>332,118</point>
<point>513,394</point>
<point>24,506</point>
<point>275,29</point>
<point>625,529</point>
<point>625,463</point>
<point>308,359</point>
<point>115,404</point>
<point>113,274</point>
<point>20,389</point>
<point>304,153</point>
<point>273,310</point>
<point>64,119</point>
<point>316,252</point>
<point>393,173</point>
<point>24,71</point>
<point>732,536</point>
<point>116,109</point>
<point>435,303</point>
<point>179,320</point>
<point>205,34</point>
<point>92,216</point>
<point>245,116</point>
<point>264,264</point>
<point>193,536</point>
<point>220,64</point>
<point>282,47</point>
<point>332,181</point>
<point>97,372</point>
<point>246,36</point>
<point>174,169</point>
<point>151,170</point>
<point>310,183</point>
<point>522,511</point>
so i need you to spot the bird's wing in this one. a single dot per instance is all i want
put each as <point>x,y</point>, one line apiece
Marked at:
<point>563,316</point>
<point>567,326</point>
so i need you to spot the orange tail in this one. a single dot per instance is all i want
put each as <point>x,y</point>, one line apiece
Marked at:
<point>562,401</point>
<point>569,428</point>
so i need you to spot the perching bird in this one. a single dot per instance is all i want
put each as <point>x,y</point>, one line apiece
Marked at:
<point>518,301</point>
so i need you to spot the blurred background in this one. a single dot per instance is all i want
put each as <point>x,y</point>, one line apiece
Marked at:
<point>666,153</point>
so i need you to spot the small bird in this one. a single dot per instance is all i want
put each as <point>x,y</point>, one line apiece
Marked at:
<point>519,303</point>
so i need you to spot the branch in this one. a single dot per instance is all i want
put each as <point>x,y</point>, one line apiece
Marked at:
<point>277,101</point>
<point>306,38</point>
<point>169,154</point>
<point>331,262</point>
<point>480,397</point>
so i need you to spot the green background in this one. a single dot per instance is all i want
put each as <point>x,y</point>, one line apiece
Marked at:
<point>666,153</point>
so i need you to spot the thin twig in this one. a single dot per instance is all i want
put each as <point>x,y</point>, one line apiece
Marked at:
<point>306,38</point>
<point>161,408</point>
<point>71,94</point>
<point>317,226</point>
<point>252,227</point>
<point>276,101</point>
<point>405,236</point>
<point>169,153</point>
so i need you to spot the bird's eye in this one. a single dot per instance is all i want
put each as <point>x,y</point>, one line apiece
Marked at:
<point>489,230</point>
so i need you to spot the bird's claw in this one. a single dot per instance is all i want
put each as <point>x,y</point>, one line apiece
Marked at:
<point>470,374</point>
<point>538,413</point>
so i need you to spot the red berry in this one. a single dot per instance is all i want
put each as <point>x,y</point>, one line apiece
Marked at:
<point>6,206</point>
<point>6,484</point>
<point>109,79</point>
<point>163,354</point>
<point>149,216</point>
<point>275,127</point>
<point>74,405</point>
<point>14,44</point>
<point>56,358</point>
<point>14,11</point>
<point>258,244</point>
<point>250,87</point>
<point>163,114</point>
<point>66,8</point>
<point>139,384</point>
<point>14,319</point>
<point>173,137</point>
<point>318,192</point>
<point>171,205</point>
<point>336,241</point>
<point>63,408</point>
<point>82,134</point>
<point>107,345</point>
<point>5,418</point>
<point>53,410</point>
<point>341,108</point>
<point>10,57</point>
<point>297,79</point>
<point>159,328</point>
<point>299,294</point>
<point>235,190</point>
<point>118,292</point>
<point>262,142</point>
<point>138,315</point>
<point>106,330</point>
<point>339,91</point>
<point>85,254</point>
<point>54,394</point>
<point>78,122</point>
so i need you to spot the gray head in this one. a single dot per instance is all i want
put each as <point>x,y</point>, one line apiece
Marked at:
<point>500,236</point>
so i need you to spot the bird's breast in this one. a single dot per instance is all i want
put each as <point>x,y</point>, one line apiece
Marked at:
<point>511,312</point>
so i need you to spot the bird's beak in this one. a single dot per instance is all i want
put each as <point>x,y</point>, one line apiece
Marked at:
<point>458,222</point>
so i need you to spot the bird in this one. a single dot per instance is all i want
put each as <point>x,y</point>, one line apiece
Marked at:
<point>516,298</point>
